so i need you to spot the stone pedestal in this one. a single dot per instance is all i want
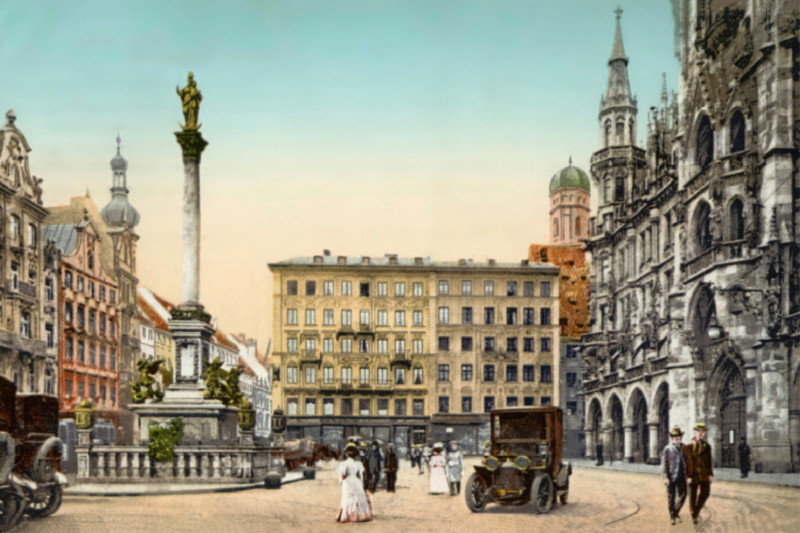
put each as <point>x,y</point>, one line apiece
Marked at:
<point>247,437</point>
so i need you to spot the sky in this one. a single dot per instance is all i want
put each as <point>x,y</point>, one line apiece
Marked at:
<point>419,128</point>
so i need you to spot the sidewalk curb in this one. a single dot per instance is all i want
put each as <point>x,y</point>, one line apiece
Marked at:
<point>224,488</point>
<point>719,480</point>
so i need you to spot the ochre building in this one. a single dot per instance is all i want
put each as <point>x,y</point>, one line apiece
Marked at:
<point>409,350</point>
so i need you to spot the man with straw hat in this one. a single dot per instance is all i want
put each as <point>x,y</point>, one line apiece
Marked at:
<point>678,468</point>
<point>703,471</point>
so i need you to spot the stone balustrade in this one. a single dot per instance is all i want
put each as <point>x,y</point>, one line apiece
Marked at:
<point>132,464</point>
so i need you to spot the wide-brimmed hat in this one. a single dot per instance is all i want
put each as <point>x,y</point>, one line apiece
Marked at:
<point>676,432</point>
<point>390,445</point>
<point>700,427</point>
<point>350,446</point>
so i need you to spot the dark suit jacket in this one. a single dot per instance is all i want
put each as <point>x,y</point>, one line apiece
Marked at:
<point>391,462</point>
<point>701,459</point>
<point>687,458</point>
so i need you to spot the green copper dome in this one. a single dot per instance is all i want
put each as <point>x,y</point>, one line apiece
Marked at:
<point>570,177</point>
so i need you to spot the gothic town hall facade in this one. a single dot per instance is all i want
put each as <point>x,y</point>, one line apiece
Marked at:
<point>695,308</point>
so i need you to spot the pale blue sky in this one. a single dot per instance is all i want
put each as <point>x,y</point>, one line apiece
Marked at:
<point>367,127</point>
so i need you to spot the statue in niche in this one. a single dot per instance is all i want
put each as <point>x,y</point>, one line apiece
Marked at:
<point>716,225</point>
<point>773,315</point>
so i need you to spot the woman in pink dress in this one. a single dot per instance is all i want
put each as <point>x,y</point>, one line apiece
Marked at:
<point>439,483</point>
<point>355,506</point>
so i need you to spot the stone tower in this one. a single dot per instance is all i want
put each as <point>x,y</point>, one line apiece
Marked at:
<point>121,218</point>
<point>569,205</point>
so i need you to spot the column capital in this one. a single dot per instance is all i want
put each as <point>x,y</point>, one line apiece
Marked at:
<point>192,144</point>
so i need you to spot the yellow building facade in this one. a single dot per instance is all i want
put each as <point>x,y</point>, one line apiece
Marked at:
<point>407,350</point>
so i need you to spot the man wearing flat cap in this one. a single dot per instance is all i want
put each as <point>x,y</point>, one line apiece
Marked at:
<point>678,468</point>
<point>700,486</point>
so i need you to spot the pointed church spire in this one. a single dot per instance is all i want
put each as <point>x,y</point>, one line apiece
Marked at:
<point>619,50</point>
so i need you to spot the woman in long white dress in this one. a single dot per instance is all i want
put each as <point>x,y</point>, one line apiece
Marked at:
<point>439,483</point>
<point>355,507</point>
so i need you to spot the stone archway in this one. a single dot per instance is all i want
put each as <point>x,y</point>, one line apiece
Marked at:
<point>617,432</point>
<point>662,405</point>
<point>640,437</point>
<point>732,414</point>
<point>594,425</point>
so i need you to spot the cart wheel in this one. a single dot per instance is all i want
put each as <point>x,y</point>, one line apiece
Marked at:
<point>542,493</point>
<point>44,502</point>
<point>564,497</point>
<point>476,493</point>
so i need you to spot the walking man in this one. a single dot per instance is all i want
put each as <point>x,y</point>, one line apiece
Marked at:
<point>700,486</point>
<point>599,451</point>
<point>744,457</point>
<point>426,456</point>
<point>374,465</point>
<point>391,469</point>
<point>678,468</point>
<point>454,468</point>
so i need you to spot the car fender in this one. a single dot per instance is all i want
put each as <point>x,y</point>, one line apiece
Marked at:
<point>9,446</point>
<point>562,477</point>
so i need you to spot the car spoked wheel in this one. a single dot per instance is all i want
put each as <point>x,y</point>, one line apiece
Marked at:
<point>44,501</point>
<point>542,493</point>
<point>476,493</point>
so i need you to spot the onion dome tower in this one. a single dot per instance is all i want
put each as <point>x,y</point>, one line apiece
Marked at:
<point>119,212</point>
<point>569,205</point>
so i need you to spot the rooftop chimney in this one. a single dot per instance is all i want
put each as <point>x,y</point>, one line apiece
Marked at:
<point>462,262</point>
<point>418,261</point>
<point>492,262</point>
<point>392,259</point>
<point>326,252</point>
<point>365,260</point>
<point>342,259</point>
<point>317,259</point>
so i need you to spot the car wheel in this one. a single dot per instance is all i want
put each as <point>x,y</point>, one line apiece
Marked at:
<point>11,508</point>
<point>44,502</point>
<point>563,498</point>
<point>542,493</point>
<point>44,469</point>
<point>272,481</point>
<point>476,493</point>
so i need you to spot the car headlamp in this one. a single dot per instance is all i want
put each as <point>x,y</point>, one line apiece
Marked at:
<point>522,462</point>
<point>491,463</point>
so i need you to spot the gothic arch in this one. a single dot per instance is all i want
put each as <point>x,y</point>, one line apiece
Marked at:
<point>735,218</point>
<point>691,142</point>
<point>614,421</point>
<point>632,397</point>
<point>737,131</point>
<point>700,230</point>
<point>592,412</point>
<point>726,398</point>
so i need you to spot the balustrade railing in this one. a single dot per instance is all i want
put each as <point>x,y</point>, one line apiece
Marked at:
<point>657,365</point>
<point>132,464</point>
<point>634,372</point>
<point>611,379</point>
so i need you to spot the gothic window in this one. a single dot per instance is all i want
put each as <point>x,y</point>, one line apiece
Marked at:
<point>737,132</point>
<point>705,143</point>
<point>577,226</point>
<point>705,315</point>
<point>620,131</point>
<point>703,228</point>
<point>737,221</point>
<point>619,192</point>
<point>607,134</point>
<point>555,227</point>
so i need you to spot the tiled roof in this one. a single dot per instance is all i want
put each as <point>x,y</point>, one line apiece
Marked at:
<point>222,338</point>
<point>154,308</point>
<point>63,235</point>
<point>386,261</point>
<point>73,214</point>
<point>142,317</point>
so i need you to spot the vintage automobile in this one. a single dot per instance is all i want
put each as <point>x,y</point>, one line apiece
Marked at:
<point>523,463</point>
<point>31,481</point>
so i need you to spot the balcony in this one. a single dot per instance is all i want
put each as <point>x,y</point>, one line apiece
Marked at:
<point>365,328</point>
<point>313,356</point>
<point>719,254</point>
<point>611,379</point>
<point>619,152</point>
<point>25,289</point>
<point>635,372</point>
<point>658,365</point>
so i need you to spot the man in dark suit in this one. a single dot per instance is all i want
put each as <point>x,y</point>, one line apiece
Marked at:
<point>599,452</point>
<point>374,465</point>
<point>744,457</point>
<point>391,469</point>
<point>678,469</point>
<point>700,487</point>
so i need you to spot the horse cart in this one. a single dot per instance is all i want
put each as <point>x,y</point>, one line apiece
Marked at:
<point>523,463</point>
<point>31,481</point>
<point>306,452</point>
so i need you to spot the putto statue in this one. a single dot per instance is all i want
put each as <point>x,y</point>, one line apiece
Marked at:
<point>190,99</point>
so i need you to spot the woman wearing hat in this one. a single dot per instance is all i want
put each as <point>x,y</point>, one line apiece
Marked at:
<point>354,507</point>
<point>678,468</point>
<point>438,476</point>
